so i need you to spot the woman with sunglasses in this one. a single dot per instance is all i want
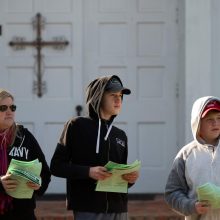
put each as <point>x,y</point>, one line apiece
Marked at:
<point>18,143</point>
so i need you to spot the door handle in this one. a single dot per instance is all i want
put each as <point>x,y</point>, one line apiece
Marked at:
<point>79,109</point>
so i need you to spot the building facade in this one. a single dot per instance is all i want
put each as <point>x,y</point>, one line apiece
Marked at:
<point>165,51</point>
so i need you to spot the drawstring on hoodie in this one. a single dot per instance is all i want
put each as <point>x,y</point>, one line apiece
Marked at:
<point>107,134</point>
<point>22,141</point>
<point>98,137</point>
<point>94,94</point>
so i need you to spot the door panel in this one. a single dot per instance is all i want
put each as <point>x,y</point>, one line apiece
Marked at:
<point>61,70</point>
<point>136,40</point>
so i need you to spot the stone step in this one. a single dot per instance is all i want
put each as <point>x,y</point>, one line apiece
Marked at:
<point>137,209</point>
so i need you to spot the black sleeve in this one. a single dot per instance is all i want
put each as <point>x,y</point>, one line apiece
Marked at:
<point>126,149</point>
<point>45,175</point>
<point>126,158</point>
<point>61,165</point>
<point>45,172</point>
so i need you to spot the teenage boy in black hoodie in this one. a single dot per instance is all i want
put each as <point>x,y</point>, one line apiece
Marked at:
<point>86,145</point>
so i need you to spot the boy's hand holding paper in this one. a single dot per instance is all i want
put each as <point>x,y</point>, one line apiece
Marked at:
<point>211,193</point>
<point>116,183</point>
<point>131,177</point>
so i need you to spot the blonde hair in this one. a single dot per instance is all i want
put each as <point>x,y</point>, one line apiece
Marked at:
<point>5,94</point>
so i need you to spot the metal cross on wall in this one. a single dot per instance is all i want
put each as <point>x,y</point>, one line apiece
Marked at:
<point>58,43</point>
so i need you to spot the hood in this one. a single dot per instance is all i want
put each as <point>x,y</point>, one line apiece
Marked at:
<point>197,110</point>
<point>94,94</point>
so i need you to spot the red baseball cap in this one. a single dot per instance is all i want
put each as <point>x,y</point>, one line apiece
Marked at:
<point>212,105</point>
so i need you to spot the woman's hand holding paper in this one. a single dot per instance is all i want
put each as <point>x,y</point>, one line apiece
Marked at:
<point>33,186</point>
<point>8,183</point>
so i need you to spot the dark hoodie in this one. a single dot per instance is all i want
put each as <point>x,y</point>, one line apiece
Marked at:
<point>26,148</point>
<point>87,142</point>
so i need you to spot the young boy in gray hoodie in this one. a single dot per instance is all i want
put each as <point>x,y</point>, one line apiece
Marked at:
<point>197,163</point>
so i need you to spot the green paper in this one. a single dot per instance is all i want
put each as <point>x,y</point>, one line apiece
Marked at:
<point>115,183</point>
<point>210,193</point>
<point>24,171</point>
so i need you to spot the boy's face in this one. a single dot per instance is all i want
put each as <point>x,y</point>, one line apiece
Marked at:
<point>210,127</point>
<point>110,104</point>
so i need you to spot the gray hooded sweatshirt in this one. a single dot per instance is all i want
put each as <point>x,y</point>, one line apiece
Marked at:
<point>195,164</point>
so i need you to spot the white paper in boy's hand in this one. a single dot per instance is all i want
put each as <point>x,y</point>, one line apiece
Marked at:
<point>24,171</point>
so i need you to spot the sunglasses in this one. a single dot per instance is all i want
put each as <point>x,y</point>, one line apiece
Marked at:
<point>4,108</point>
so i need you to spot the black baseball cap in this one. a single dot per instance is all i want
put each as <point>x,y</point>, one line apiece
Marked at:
<point>115,85</point>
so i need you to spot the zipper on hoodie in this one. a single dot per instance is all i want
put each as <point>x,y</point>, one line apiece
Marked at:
<point>106,195</point>
<point>212,148</point>
<point>106,124</point>
<point>212,152</point>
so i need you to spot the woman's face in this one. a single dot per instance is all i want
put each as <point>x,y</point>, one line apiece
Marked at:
<point>6,115</point>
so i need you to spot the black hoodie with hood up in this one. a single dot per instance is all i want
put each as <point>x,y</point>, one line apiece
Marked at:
<point>87,142</point>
